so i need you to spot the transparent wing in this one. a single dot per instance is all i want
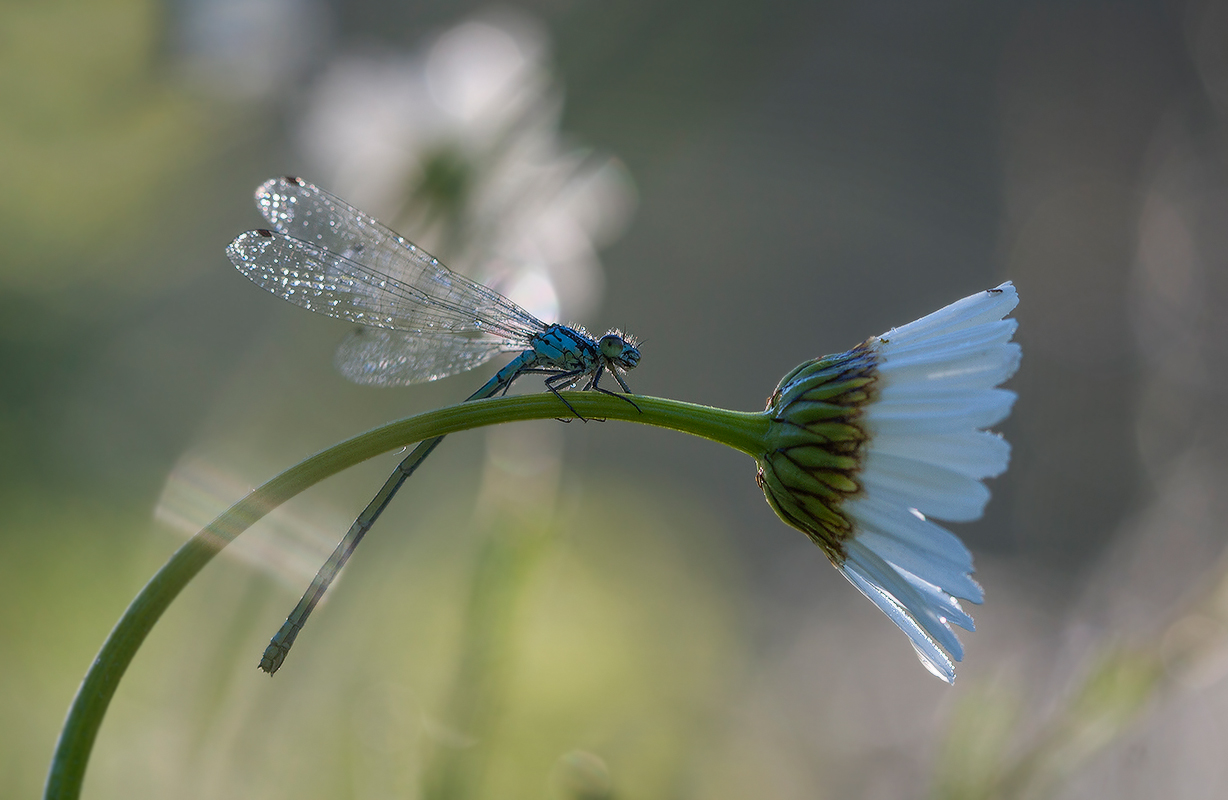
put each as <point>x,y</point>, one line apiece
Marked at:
<point>396,358</point>
<point>327,283</point>
<point>457,326</point>
<point>303,211</point>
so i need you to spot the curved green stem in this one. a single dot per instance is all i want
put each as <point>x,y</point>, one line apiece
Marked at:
<point>741,430</point>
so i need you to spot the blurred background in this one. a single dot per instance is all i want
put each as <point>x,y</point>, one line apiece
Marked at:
<point>610,611</point>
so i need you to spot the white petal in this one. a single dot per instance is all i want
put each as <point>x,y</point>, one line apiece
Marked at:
<point>979,308</point>
<point>916,604</point>
<point>943,604</point>
<point>944,576</point>
<point>978,337</point>
<point>927,649</point>
<point>934,490</point>
<point>948,370</point>
<point>913,530</point>
<point>928,613</point>
<point>945,413</point>
<point>975,453</point>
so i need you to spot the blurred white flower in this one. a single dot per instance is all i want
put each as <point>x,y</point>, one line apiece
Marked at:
<point>870,443</point>
<point>249,49</point>
<point>457,147</point>
<point>289,544</point>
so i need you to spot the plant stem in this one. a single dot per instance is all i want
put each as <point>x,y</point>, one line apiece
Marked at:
<point>743,431</point>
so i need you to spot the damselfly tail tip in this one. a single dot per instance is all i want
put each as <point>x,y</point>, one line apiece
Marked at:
<point>272,659</point>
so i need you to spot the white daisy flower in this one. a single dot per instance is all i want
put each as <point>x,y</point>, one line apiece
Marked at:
<point>870,444</point>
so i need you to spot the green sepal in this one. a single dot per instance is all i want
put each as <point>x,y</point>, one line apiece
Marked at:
<point>803,412</point>
<point>814,456</point>
<point>840,434</point>
<point>847,390</point>
<point>793,478</point>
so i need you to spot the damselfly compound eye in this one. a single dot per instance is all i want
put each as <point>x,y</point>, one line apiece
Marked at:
<point>612,345</point>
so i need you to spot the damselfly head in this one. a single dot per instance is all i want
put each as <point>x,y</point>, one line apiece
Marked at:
<point>619,349</point>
